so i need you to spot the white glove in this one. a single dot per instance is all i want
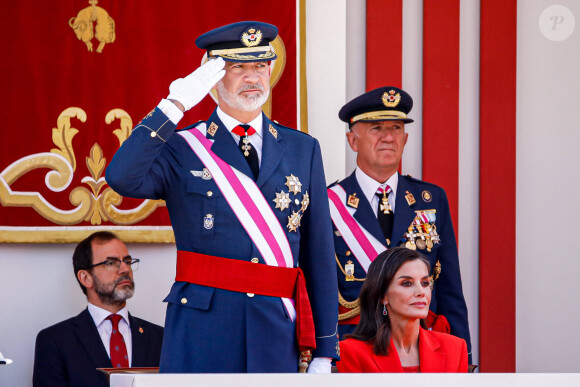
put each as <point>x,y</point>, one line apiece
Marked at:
<point>193,88</point>
<point>320,365</point>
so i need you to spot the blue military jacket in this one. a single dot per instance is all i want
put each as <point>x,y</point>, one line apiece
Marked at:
<point>447,298</point>
<point>215,330</point>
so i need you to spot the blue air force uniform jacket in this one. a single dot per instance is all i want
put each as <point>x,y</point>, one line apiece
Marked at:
<point>447,298</point>
<point>215,330</point>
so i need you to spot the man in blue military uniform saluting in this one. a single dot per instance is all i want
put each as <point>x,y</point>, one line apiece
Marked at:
<point>376,208</point>
<point>249,209</point>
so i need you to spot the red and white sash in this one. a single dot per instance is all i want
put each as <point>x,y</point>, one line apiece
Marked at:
<point>364,246</point>
<point>248,203</point>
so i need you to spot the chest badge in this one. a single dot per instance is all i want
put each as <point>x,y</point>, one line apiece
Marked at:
<point>410,198</point>
<point>282,200</point>
<point>349,271</point>
<point>294,221</point>
<point>427,197</point>
<point>208,221</point>
<point>352,201</point>
<point>212,129</point>
<point>273,131</point>
<point>204,174</point>
<point>294,184</point>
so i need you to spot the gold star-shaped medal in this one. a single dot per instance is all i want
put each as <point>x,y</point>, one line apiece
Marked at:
<point>282,200</point>
<point>305,201</point>
<point>294,184</point>
<point>294,221</point>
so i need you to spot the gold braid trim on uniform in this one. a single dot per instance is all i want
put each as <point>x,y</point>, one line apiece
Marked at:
<point>353,305</point>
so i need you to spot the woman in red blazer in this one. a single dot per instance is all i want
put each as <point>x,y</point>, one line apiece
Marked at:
<point>391,334</point>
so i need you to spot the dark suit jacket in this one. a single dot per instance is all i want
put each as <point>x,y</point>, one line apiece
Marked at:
<point>438,352</point>
<point>68,353</point>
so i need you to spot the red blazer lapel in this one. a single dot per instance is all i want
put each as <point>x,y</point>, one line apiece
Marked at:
<point>431,359</point>
<point>389,363</point>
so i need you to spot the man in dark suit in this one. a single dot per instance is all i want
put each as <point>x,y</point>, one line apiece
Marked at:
<point>255,282</point>
<point>376,208</point>
<point>104,335</point>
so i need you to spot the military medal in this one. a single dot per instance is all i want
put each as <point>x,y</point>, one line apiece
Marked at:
<point>305,201</point>
<point>426,195</point>
<point>411,245</point>
<point>246,147</point>
<point>208,221</point>
<point>421,244</point>
<point>294,221</point>
<point>349,271</point>
<point>385,206</point>
<point>294,184</point>
<point>282,200</point>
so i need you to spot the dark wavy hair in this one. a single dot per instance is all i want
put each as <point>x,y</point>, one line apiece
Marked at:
<point>83,254</point>
<point>373,326</point>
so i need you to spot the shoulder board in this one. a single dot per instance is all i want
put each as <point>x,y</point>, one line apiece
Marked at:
<point>284,127</point>
<point>332,184</point>
<point>415,180</point>
<point>190,126</point>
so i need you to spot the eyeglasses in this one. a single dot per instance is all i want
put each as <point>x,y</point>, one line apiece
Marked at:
<point>114,264</point>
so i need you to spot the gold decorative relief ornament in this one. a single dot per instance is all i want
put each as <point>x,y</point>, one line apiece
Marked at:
<point>94,204</point>
<point>93,22</point>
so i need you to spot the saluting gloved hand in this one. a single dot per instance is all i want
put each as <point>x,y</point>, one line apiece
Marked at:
<point>190,90</point>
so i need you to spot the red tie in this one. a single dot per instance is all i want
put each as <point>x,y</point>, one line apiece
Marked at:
<point>117,348</point>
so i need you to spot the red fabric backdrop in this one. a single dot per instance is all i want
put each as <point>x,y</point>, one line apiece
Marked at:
<point>47,69</point>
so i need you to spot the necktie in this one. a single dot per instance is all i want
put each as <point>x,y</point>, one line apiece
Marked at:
<point>385,214</point>
<point>117,349</point>
<point>246,147</point>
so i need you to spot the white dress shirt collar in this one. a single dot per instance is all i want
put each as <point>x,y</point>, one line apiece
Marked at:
<point>99,314</point>
<point>369,186</point>
<point>231,122</point>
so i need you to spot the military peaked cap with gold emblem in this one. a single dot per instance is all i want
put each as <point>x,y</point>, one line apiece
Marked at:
<point>247,41</point>
<point>383,104</point>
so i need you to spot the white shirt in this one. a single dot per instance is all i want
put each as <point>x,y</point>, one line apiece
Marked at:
<point>369,187</point>
<point>175,115</point>
<point>105,327</point>
<point>256,123</point>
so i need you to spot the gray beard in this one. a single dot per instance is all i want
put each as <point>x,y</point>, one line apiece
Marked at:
<point>110,294</point>
<point>244,104</point>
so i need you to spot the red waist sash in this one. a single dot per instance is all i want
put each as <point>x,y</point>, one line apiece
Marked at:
<point>248,277</point>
